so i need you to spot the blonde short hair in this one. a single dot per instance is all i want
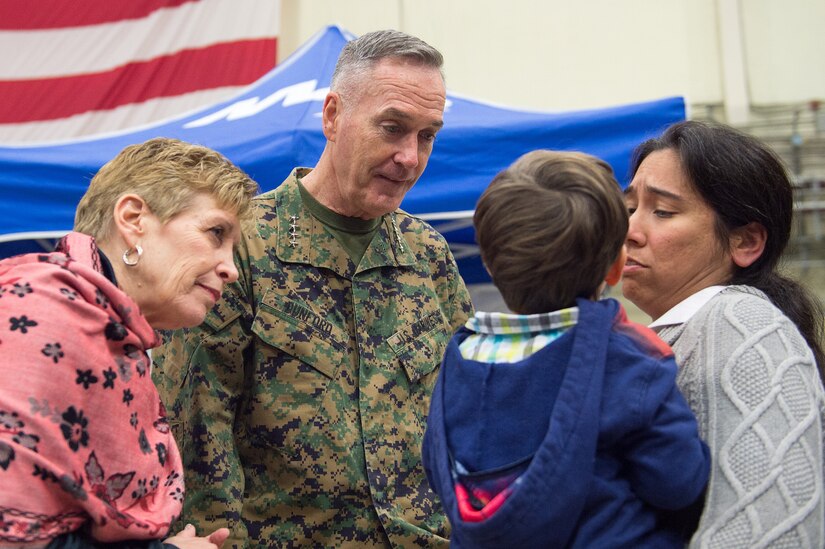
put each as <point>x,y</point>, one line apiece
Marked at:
<point>167,174</point>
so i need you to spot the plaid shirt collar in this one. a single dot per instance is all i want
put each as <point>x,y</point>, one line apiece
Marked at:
<point>509,324</point>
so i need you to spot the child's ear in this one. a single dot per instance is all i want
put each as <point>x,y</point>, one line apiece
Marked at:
<point>747,243</point>
<point>614,275</point>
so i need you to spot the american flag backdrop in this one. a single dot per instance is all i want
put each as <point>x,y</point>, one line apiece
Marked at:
<point>71,68</point>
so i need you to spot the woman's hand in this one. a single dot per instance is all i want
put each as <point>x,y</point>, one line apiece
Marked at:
<point>187,539</point>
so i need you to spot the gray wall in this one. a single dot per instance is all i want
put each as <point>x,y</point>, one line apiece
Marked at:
<point>560,55</point>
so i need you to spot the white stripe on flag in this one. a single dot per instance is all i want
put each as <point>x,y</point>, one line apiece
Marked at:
<point>130,116</point>
<point>110,76</point>
<point>96,48</point>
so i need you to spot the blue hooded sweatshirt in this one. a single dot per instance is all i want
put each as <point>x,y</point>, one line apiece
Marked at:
<point>603,445</point>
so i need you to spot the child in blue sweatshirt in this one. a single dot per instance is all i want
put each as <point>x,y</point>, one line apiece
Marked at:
<point>560,425</point>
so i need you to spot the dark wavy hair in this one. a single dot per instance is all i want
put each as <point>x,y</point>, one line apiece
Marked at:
<point>744,181</point>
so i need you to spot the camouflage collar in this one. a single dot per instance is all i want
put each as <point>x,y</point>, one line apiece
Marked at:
<point>303,239</point>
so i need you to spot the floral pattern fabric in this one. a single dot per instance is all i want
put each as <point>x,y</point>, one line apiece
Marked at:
<point>84,440</point>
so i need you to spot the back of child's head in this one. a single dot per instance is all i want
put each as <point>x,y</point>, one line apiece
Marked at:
<point>549,228</point>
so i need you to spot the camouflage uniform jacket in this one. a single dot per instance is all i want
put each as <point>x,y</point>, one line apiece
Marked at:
<point>300,404</point>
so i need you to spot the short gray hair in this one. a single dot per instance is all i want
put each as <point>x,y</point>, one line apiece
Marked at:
<point>361,54</point>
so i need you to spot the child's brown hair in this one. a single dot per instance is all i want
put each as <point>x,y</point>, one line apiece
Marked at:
<point>550,227</point>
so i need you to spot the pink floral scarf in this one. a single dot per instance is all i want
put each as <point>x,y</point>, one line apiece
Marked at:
<point>84,440</point>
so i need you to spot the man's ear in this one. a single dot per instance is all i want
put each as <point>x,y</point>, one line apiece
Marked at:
<point>614,275</point>
<point>330,113</point>
<point>130,217</point>
<point>747,243</point>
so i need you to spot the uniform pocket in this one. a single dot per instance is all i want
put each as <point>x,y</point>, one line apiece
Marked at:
<point>297,355</point>
<point>420,346</point>
<point>419,349</point>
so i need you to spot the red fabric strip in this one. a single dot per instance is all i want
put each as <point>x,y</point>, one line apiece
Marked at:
<point>471,514</point>
<point>231,64</point>
<point>52,14</point>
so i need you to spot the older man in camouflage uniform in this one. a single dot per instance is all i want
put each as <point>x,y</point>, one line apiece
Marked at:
<point>300,403</point>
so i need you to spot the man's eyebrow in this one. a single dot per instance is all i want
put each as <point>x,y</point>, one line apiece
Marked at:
<point>392,112</point>
<point>396,113</point>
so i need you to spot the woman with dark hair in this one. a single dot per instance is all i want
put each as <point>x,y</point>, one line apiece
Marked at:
<point>710,216</point>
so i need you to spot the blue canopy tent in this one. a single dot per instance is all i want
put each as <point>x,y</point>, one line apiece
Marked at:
<point>274,125</point>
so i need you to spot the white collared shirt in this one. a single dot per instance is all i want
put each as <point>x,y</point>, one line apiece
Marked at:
<point>685,309</point>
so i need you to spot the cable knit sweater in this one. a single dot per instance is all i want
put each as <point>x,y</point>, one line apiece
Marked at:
<point>749,376</point>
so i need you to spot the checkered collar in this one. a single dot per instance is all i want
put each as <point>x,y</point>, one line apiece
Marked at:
<point>508,324</point>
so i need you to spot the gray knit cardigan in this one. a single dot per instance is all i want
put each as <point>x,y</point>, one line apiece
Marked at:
<point>751,379</point>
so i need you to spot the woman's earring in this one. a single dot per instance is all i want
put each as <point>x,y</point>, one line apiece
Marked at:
<point>132,262</point>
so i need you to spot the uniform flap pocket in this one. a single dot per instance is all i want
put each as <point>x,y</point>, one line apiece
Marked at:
<point>420,345</point>
<point>295,329</point>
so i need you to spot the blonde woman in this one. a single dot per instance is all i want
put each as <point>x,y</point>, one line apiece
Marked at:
<point>86,455</point>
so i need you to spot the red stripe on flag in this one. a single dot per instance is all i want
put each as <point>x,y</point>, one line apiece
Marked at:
<point>231,64</point>
<point>50,14</point>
